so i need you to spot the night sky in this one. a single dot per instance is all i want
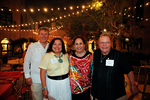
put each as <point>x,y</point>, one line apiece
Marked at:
<point>54,3</point>
<point>40,4</point>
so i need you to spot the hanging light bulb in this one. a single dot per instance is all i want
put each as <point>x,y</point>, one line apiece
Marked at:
<point>31,10</point>
<point>45,9</point>
<point>71,8</point>
<point>105,30</point>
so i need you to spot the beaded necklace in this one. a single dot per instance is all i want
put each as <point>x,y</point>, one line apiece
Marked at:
<point>59,58</point>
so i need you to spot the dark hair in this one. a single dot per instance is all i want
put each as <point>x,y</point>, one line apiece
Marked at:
<point>77,38</point>
<point>51,44</point>
<point>27,45</point>
<point>43,28</point>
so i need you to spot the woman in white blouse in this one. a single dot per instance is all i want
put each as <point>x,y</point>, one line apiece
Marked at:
<point>55,63</point>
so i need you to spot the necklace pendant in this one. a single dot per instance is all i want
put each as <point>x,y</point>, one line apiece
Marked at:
<point>60,60</point>
<point>101,61</point>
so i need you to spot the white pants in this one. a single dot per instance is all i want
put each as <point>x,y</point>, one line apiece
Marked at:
<point>36,89</point>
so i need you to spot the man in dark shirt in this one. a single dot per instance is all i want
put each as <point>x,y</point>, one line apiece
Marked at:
<point>109,68</point>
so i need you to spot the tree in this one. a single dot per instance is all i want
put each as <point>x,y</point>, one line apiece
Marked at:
<point>92,22</point>
<point>113,15</point>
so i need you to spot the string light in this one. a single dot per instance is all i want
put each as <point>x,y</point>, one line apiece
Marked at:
<point>31,10</point>
<point>40,22</point>
<point>64,8</point>
<point>45,9</point>
<point>147,4</point>
<point>48,20</point>
<point>35,31</point>
<point>52,19</point>
<point>60,17</point>
<point>146,19</point>
<point>83,7</point>
<point>71,8</point>
<point>77,12</point>
<point>97,3</point>
<point>24,10</point>
<point>52,9</point>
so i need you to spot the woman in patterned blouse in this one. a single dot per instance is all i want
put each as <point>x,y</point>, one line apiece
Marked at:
<point>80,70</point>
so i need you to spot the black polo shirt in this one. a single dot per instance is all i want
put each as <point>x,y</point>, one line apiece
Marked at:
<point>108,81</point>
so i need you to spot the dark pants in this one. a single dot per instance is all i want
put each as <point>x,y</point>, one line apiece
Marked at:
<point>82,96</point>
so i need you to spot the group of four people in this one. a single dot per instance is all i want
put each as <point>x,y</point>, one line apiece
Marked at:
<point>79,76</point>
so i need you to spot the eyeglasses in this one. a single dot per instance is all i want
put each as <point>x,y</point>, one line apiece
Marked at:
<point>104,42</point>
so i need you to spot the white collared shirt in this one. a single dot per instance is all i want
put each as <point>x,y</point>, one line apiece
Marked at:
<point>33,56</point>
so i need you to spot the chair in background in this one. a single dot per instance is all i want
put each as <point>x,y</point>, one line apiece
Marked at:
<point>143,62</point>
<point>4,67</point>
<point>1,63</point>
<point>144,88</point>
<point>24,91</point>
<point>20,66</point>
<point>17,90</point>
<point>137,72</point>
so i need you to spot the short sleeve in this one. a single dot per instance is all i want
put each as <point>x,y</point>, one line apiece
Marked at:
<point>44,62</point>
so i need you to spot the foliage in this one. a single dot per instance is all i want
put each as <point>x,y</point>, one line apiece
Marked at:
<point>111,15</point>
<point>31,40</point>
<point>20,41</point>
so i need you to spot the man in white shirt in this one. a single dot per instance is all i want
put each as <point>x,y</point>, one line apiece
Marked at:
<point>32,60</point>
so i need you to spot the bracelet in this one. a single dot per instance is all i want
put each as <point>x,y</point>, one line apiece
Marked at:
<point>44,88</point>
<point>133,85</point>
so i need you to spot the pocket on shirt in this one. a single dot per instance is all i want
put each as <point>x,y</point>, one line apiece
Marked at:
<point>37,57</point>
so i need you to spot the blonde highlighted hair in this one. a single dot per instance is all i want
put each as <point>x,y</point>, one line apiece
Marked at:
<point>45,29</point>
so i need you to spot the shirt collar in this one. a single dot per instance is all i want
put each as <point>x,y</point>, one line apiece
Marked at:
<point>40,43</point>
<point>52,53</point>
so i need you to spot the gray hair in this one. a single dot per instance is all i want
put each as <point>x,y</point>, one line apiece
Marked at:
<point>106,34</point>
<point>45,29</point>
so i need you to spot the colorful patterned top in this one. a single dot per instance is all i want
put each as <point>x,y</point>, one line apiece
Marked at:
<point>80,72</point>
